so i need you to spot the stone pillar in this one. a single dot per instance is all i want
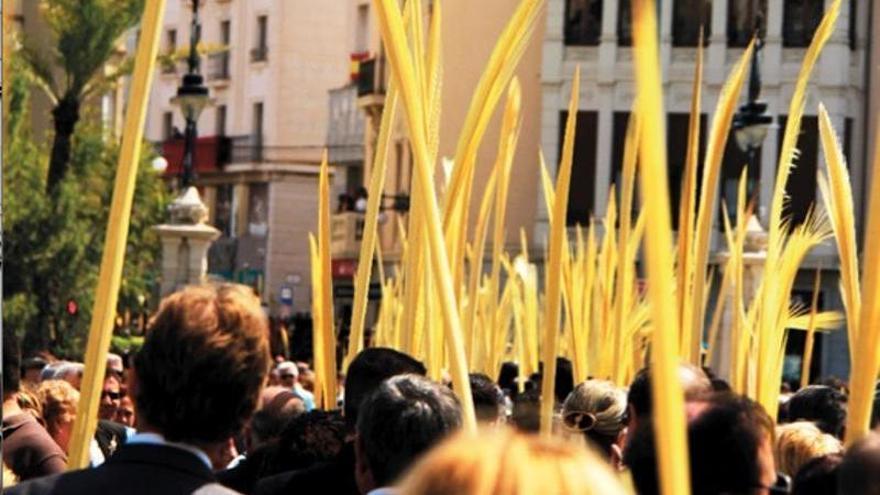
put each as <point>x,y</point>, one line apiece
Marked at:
<point>185,242</point>
<point>754,256</point>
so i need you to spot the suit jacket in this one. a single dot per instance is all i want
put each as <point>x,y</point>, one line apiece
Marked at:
<point>135,469</point>
<point>110,435</point>
<point>336,477</point>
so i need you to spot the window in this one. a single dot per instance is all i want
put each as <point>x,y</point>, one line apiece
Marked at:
<point>731,167</point>
<point>853,25</point>
<point>167,125</point>
<point>258,209</point>
<point>361,42</point>
<point>583,22</point>
<point>801,187</point>
<point>221,120</point>
<point>743,17</point>
<point>624,23</point>
<point>257,132</point>
<point>847,139</point>
<point>225,40</point>
<point>583,171</point>
<point>618,142</point>
<point>800,20</point>
<point>171,40</point>
<point>261,51</point>
<point>223,209</point>
<point>687,18</point>
<point>677,125</point>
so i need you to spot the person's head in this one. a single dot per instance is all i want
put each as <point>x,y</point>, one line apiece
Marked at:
<point>31,369</point>
<point>310,438</point>
<point>287,374</point>
<point>125,413</point>
<point>205,357</point>
<point>730,447</point>
<point>367,370</point>
<point>111,394</point>
<point>72,373</point>
<point>503,462</point>
<point>278,406</point>
<point>821,404</point>
<point>694,383</point>
<point>799,442</point>
<point>488,398</point>
<point>564,379</point>
<point>114,366</point>
<point>59,401</point>
<point>507,377</point>
<point>859,473</point>
<point>403,418</point>
<point>597,410</point>
<point>526,415</point>
<point>818,476</point>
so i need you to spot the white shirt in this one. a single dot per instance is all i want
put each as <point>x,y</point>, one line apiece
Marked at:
<point>157,439</point>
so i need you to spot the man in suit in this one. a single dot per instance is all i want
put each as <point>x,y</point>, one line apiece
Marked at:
<point>195,382</point>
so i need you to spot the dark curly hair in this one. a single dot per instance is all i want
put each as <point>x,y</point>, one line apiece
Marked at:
<point>821,404</point>
<point>203,363</point>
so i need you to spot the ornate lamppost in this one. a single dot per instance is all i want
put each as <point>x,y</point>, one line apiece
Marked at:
<point>192,98</point>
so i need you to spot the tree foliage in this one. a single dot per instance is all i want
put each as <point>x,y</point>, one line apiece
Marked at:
<point>76,64</point>
<point>53,243</point>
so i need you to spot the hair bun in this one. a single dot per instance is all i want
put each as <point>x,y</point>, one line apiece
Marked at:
<point>580,421</point>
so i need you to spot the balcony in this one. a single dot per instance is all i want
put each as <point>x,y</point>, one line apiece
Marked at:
<point>371,84</point>
<point>218,67</point>
<point>347,231</point>
<point>253,150</point>
<point>212,153</point>
<point>345,127</point>
<point>260,54</point>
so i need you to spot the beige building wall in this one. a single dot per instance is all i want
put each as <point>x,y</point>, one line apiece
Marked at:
<point>471,29</point>
<point>307,55</point>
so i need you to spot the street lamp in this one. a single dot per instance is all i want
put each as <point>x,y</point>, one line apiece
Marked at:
<point>192,98</point>
<point>751,122</point>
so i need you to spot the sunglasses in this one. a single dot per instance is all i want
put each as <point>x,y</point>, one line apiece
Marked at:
<point>781,485</point>
<point>285,377</point>
<point>112,395</point>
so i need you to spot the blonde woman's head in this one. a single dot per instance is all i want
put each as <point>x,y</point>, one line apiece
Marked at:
<point>502,462</point>
<point>59,401</point>
<point>799,442</point>
<point>597,409</point>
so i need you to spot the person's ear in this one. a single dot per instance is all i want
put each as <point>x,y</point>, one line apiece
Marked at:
<point>616,457</point>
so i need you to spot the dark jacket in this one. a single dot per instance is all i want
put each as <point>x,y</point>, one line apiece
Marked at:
<point>110,435</point>
<point>135,469</point>
<point>336,477</point>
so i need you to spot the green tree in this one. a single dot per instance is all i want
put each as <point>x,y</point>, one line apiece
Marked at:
<point>53,243</point>
<point>73,66</point>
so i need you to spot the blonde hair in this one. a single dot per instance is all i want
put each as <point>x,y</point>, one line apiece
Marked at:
<point>59,400</point>
<point>502,462</point>
<point>799,442</point>
<point>597,409</point>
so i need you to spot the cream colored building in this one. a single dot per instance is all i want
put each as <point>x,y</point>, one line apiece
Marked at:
<point>262,138</point>
<point>595,34</point>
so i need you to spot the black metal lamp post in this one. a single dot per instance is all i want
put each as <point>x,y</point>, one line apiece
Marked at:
<point>751,122</point>
<point>192,98</point>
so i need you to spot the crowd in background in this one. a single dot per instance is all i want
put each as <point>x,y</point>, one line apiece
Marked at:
<point>204,408</point>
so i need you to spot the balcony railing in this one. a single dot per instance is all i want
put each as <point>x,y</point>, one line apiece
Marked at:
<point>347,231</point>
<point>260,54</point>
<point>371,78</point>
<point>252,150</point>
<point>218,66</point>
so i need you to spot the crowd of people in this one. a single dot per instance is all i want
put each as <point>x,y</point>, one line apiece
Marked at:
<point>203,408</point>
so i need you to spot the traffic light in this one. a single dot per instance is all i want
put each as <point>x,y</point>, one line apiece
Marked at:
<point>72,307</point>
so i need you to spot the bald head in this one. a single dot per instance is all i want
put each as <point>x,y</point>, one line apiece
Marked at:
<point>860,471</point>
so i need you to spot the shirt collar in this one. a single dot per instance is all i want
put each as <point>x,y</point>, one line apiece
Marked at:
<point>157,439</point>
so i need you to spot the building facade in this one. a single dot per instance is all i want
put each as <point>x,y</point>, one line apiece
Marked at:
<point>262,137</point>
<point>596,34</point>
